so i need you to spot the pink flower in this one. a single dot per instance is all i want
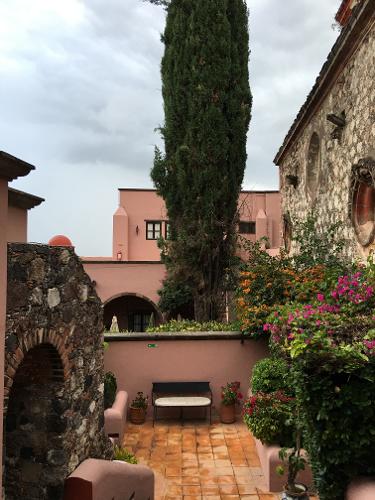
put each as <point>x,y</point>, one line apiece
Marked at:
<point>320,297</point>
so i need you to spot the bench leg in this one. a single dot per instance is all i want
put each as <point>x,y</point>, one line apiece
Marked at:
<point>154,417</point>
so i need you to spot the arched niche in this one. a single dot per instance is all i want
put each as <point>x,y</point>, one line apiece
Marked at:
<point>362,200</point>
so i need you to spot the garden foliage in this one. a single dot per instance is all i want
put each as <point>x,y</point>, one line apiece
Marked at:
<point>110,388</point>
<point>323,324</point>
<point>193,326</point>
<point>269,412</point>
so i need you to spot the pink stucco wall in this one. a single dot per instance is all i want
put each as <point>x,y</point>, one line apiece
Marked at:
<point>136,365</point>
<point>137,206</point>
<point>17,225</point>
<point>120,278</point>
<point>3,280</point>
<point>140,206</point>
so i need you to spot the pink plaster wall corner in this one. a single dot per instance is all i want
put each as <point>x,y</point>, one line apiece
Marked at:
<point>361,489</point>
<point>96,479</point>
<point>115,417</point>
<point>269,460</point>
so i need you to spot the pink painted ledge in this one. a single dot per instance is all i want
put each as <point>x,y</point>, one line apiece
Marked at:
<point>269,460</point>
<point>361,489</point>
<point>115,417</point>
<point>102,479</point>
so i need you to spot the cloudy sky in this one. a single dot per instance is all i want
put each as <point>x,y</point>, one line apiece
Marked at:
<point>80,97</point>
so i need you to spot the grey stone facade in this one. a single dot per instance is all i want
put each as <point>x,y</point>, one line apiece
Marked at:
<point>53,409</point>
<point>322,178</point>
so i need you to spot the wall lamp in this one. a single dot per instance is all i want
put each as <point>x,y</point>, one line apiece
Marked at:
<point>137,230</point>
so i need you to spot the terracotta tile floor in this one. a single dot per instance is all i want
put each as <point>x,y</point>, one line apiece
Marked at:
<point>197,461</point>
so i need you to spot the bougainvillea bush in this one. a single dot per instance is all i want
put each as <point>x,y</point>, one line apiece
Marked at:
<point>269,281</point>
<point>331,345</point>
<point>270,417</point>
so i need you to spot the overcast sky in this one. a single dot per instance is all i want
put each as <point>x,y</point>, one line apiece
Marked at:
<point>80,97</point>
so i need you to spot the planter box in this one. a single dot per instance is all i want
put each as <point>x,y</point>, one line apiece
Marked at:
<point>269,460</point>
<point>115,417</point>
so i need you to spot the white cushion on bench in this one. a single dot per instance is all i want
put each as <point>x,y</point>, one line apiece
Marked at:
<point>183,401</point>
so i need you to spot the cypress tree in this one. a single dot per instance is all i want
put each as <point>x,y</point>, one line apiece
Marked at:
<point>207,106</point>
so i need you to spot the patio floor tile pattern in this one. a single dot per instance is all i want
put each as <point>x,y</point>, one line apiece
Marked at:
<point>194,461</point>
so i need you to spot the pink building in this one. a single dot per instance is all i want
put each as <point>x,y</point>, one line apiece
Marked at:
<point>19,203</point>
<point>13,224</point>
<point>128,281</point>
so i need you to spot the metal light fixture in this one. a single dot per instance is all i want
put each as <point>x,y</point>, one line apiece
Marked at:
<point>137,230</point>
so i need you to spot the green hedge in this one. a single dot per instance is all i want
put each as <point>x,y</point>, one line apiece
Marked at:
<point>271,375</point>
<point>338,416</point>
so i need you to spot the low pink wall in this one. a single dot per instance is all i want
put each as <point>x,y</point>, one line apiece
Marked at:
<point>136,365</point>
<point>3,280</point>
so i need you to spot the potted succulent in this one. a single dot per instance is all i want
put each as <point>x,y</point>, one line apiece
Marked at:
<point>230,395</point>
<point>296,462</point>
<point>138,408</point>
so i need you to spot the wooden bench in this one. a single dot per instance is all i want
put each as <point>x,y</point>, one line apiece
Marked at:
<point>181,395</point>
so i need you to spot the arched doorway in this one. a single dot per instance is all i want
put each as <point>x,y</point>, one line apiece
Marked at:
<point>35,459</point>
<point>134,313</point>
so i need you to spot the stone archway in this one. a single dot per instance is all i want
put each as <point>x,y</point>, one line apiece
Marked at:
<point>133,312</point>
<point>54,370</point>
<point>35,425</point>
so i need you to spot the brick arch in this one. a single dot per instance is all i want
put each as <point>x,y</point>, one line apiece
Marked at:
<point>35,339</point>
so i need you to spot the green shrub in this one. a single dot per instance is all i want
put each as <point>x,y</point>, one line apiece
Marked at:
<point>270,417</point>
<point>337,406</point>
<point>192,326</point>
<point>271,375</point>
<point>124,455</point>
<point>110,388</point>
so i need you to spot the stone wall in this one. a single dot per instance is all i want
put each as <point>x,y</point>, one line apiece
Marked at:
<point>322,179</point>
<point>54,413</point>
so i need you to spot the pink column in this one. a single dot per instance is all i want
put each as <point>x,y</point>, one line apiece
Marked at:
<point>120,235</point>
<point>3,287</point>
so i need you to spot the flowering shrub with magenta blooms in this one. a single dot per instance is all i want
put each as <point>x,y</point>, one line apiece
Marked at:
<point>269,416</point>
<point>331,344</point>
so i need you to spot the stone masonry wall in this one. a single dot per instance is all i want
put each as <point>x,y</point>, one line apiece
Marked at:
<point>353,93</point>
<point>54,413</point>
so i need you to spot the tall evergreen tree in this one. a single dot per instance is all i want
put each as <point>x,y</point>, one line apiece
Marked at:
<point>207,106</point>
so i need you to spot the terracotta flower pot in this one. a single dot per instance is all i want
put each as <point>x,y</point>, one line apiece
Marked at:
<point>228,413</point>
<point>301,494</point>
<point>137,415</point>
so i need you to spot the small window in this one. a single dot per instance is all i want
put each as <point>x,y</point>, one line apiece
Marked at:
<point>245,227</point>
<point>153,230</point>
<point>287,232</point>
<point>313,165</point>
<point>167,231</point>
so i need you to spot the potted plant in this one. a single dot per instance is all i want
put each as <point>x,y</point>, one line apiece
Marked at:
<point>296,462</point>
<point>138,408</point>
<point>110,389</point>
<point>230,395</point>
